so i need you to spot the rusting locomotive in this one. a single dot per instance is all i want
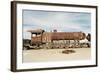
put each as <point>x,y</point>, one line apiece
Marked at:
<point>42,39</point>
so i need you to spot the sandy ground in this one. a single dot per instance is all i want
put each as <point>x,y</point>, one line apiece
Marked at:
<point>43,55</point>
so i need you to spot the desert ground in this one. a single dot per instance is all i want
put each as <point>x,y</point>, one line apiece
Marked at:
<point>44,55</point>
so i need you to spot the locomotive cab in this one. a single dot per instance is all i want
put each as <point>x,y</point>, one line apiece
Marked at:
<point>36,37</point>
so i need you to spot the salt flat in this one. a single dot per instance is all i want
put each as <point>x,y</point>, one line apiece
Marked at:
<point>44,55</point>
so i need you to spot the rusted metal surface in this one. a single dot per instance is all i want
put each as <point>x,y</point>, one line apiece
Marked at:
<point>67,36</point>
<point>36,39</point>
<point>63,36</point>
<point>56,39</point>
<point>48,37</point>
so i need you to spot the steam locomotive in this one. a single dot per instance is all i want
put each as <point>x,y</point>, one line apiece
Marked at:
<point>42,39</point>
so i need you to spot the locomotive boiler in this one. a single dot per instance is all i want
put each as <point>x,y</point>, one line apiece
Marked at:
<point>42,39</point>
<point>56,36</point>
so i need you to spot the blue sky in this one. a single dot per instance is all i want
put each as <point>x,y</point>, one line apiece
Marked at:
<point>50,20</point>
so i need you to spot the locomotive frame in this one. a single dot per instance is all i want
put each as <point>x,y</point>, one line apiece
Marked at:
<point>16,64</point>
<point>52,40</point>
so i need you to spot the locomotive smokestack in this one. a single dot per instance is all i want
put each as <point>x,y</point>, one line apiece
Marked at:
<point>54,30</point>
